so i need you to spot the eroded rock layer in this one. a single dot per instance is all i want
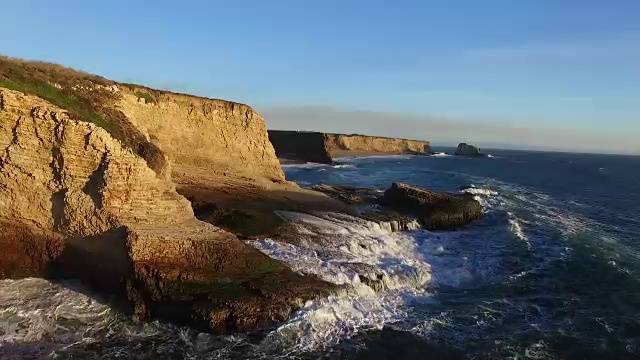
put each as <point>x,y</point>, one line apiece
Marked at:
<point>75,203</point>
<point>226,138</point>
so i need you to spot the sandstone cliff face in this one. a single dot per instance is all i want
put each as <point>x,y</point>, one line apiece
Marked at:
<point>64,175</point>
<point>75,203</point>
<point>323,148</point>
<point>344,145</point>
<point>221,136</point>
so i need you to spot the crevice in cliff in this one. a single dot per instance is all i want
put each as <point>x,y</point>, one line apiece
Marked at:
<point>57,171</point>
<point>96,182</point>
<point>2,104</point>
<point>36,132</point>
<point>57,160</point>
<point>57,209</point>
<point>14,139</point>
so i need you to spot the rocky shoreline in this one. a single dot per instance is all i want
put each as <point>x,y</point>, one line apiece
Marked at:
<point>153,209</point>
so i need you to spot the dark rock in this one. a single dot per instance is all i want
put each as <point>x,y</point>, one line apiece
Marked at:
<point>434,210</point>
<point>465,149</point>
<point>348,194</point>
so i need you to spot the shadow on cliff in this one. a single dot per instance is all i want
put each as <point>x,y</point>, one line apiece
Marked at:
<point>94,266</point>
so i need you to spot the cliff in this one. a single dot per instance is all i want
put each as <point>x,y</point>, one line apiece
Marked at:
<point>143,194</point>
<point>323,148</point>
<point>221,136</point>
<point>172,132</point>
<point>91,177</point>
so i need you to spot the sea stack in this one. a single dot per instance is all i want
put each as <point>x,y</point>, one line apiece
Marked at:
<point>465,149</point>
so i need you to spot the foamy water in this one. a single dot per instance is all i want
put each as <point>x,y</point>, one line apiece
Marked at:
<point>441,154</point>
<point>381,271</point>
<point>452,287</point>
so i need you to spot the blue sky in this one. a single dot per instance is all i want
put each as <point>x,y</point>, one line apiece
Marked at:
<point>558,73</point>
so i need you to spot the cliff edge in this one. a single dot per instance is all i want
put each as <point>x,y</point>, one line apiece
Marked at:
<point>88,190</point>
<point>323,148</point>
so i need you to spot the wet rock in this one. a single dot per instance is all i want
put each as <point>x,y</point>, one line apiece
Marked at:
<point>434,210</point>
<point>348,194</point>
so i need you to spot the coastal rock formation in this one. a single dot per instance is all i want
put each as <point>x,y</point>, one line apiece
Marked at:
<point>349,194</point>
<point>221,159</point>
<point>434,210</point>
<point>467,150</point>
<point>403,204</point>
<point>323,148</point>
<point>142,194</point>
<point>226,138</point>
<point>75,203</point>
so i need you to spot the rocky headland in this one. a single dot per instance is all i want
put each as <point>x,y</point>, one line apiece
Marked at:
<point>148,196</point>
<point>323,148</point>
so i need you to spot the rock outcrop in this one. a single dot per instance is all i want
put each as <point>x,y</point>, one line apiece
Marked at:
<point>142,194</point>
<point>75,203</point>
<point>464,149</point>
<point>434,210</point>
<point>226,138</point>
<point>323,148</point>
<point>401,205</point>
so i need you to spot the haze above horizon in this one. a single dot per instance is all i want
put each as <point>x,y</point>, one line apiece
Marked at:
<point>546,74</point>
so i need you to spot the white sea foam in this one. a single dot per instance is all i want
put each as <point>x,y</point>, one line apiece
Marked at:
<point>372,157</point>
<point>305,166</point>
<point>349,248</point>
<point>441,154</point>
<point>480,191</point>
<point>34,310</point>
<point>343,166</point>
<point>39,318</point>
<point>379,268</point>
<point>517,230</point>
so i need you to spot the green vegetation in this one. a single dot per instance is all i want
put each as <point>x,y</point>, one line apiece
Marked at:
<point>45,91</point>
<point>36,78</point>
<point>86,97</point>
<point>148,98</point>
<point>63,100</point>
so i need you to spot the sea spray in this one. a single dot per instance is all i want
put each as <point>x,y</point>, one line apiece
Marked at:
<point>379,269</point>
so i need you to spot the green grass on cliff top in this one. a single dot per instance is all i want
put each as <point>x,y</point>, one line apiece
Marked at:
<point>83,95</point>
<point>148,98</point>
<point>60,99</point>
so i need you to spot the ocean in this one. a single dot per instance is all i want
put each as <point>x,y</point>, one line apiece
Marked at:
<point>551,271</point>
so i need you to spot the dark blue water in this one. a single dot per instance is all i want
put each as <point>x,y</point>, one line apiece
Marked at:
<point>553,266</point>
<point>550,271</point>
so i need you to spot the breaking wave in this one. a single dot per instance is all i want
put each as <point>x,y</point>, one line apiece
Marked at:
<point>343,166</point>
<point>305,166</point>
<point>479,191</point>
<point>490,287</point>
<point>441,154</point>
